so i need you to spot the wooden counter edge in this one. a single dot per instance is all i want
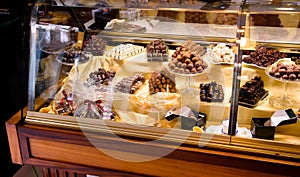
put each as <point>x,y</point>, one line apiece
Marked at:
<point>13,138</point>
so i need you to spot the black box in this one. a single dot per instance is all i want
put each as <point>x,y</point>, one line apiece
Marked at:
<point>264,128</point>
<point>187,123</point>
<point>260,130</point>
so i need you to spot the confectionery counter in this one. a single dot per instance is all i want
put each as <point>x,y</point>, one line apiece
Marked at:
<point>161,88</point>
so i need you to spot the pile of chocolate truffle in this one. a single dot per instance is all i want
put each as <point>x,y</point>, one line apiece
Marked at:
<point>264,57</point>
<point>185,62</point>
<point>69,56</point>
<point>157,51</point>
<point>211,92</point>
<point>100,77</point>
<point>284,70</point>
<point>130,84</point>
<point>162,81</point>
<point>252,91</point>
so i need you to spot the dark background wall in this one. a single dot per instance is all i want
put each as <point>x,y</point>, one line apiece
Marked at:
<point>13,79</point>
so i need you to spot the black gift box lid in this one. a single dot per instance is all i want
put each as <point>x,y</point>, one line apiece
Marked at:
<point>292,120</point>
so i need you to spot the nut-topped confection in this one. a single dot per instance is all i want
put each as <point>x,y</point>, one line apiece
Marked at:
<point>185,62</point>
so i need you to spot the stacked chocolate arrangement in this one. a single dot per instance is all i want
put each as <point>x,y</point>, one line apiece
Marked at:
<point>162,81</point>
<point>185,62</point>
<point>157,51</point>
<point>285,70</point>
<point>263,57</point>
<point>211,92</point>
<point>252,92</point>
<point>130,84</point>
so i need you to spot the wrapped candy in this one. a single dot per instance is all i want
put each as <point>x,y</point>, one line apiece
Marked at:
<point>89,109</point>
<point>95,109</point>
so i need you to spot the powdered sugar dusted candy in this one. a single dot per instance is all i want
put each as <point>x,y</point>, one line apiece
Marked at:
<point>223,53</point>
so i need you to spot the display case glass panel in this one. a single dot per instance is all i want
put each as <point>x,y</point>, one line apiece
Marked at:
<point>198,68</point>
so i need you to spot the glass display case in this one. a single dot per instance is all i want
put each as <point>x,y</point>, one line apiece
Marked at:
<point>218,74</point>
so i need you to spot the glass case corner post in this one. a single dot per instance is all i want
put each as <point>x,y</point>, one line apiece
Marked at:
<point>32,61</point>
<point>236,74</point>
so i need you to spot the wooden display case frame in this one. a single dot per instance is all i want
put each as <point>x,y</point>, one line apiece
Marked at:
<point>61,147</point>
